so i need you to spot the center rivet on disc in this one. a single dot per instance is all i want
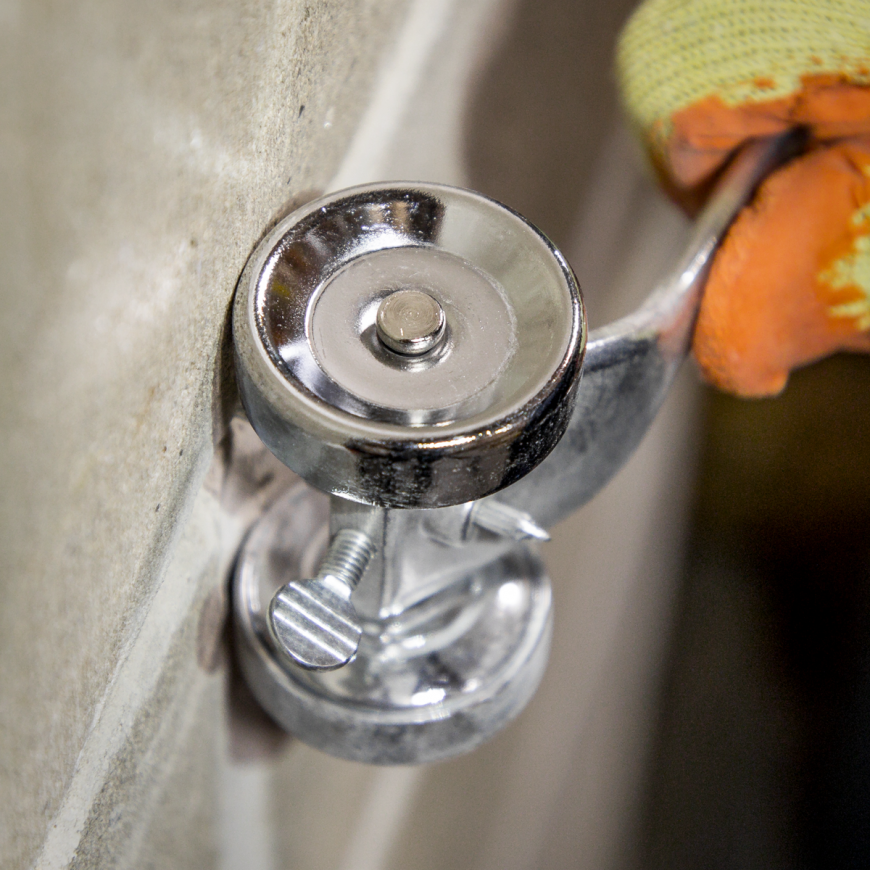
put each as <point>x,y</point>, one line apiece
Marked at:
<point>410,322</point>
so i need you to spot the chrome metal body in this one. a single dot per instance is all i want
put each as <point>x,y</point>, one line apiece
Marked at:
<point>454,611</point>
<point>430,682</point>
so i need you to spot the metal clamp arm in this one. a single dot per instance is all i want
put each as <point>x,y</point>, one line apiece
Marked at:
<point>630,364</point>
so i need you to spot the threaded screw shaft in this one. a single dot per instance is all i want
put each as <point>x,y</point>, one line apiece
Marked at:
<point>348,557</point>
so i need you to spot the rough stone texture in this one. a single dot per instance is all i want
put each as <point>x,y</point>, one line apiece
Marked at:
<point>143,148</point>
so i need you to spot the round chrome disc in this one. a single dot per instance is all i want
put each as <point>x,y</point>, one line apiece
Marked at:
<point>359,409</point>
<point>435,682</point>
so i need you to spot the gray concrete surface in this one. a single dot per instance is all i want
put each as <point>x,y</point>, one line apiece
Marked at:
<point>143,149</point>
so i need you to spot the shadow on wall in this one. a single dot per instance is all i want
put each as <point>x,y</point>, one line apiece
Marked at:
<point>763,755</point>
<point>543,107</point>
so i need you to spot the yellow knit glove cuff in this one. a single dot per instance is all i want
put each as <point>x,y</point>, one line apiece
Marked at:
<point>674,54</point>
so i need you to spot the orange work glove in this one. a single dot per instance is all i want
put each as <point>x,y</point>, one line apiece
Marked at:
<point>791,283</point>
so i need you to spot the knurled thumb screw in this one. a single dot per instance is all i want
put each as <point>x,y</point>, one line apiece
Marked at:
<point>313,621</point>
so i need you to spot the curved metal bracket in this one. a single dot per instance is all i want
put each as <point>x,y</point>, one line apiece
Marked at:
<point>631,364</point>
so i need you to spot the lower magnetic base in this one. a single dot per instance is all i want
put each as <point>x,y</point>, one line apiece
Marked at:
<point>434,683</point>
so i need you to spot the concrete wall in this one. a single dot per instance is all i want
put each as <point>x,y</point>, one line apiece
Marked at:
<point>143,149</point>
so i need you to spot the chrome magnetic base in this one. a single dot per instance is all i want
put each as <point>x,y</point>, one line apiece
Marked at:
<point>434,682</point>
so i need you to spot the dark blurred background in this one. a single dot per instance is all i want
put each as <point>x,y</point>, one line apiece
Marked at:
<point>763,745</point>
<point>760,755</point>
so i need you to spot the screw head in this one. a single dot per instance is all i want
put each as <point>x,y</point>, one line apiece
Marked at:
<point>313,621</point>
<point>410,322</point>
<point>315,624</point>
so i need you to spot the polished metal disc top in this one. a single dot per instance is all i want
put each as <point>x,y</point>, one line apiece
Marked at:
<point>408,346</point>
